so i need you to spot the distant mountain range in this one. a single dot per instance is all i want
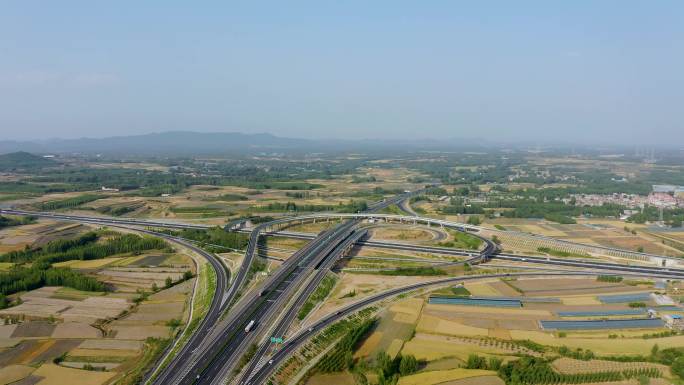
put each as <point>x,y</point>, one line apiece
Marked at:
<point>198,143</point>
<point>177,142</point>
<point>23,161</point>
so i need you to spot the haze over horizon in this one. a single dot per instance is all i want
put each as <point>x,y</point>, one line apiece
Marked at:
<point>578,72</point>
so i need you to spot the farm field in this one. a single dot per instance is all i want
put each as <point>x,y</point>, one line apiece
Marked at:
<point>442,376</point>
<point>109,330</point>
<point>444,337</point>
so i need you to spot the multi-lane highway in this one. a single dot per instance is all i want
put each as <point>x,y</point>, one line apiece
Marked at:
<point>214,311</point>
<point>214,349</point>
<point>275,299</point>
<point>265,305</point>
<point>283,324</point>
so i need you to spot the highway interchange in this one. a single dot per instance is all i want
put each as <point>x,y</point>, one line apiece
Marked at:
<point>212,352</point>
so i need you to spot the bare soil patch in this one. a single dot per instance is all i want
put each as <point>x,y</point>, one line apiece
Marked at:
<point>12,373</point>
<point>34,329</point>
<point>57,375</point>
<point>56,349</point>
<point>75,330</point>
<point>17,354</point>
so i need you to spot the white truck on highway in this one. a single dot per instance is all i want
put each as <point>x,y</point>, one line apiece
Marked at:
<point>249,326</point>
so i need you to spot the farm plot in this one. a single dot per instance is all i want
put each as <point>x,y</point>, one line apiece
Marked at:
<point>395,327</point>
<point>14,373</point>
<point>600,345</point>
<point>331,378</point>
<point>75,330</point>
<point>33,329</point>
<point>567,286</point>
<point>481,380</point>
<point>89,310</point>
<point>17,238</point>
<point>435,325</point>
<point>154,312</point>
<point>567,365</point>
<point>53,349</point>
<point>88,264</point>
<point>441,376</point>
<point>58,375</point>
<point>434,347</point>
<point>132,278</point>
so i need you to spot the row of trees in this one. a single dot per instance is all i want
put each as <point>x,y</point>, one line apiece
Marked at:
<point>85,247</point>
<point>389,370</point>
<point>20,279</point>
<point>213,237</point>
<point>350,207</point>
<point>70,202</point>
<point>477,362</point>
<point>535,370</point>
<point>33,267</point>
<point>15,221</point>
<point>340,357</point>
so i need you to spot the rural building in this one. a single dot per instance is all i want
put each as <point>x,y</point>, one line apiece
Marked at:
<point>673,321</point>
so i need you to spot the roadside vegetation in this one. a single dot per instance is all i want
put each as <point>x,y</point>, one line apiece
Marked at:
<point>320,294</point>
<point>70,203</point>
<point>11,221</point>
<point>215,239</point>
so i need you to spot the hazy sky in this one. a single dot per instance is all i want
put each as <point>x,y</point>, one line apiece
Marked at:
<point>566,70</point>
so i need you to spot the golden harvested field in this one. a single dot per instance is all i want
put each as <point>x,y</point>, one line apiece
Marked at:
<point>435,325</point>
<point>13,373</point>
<point>482,380</point>
<point>481,289</point>
<point>440,376</point>
<point>88,264</point>
<point>140,332</point>
<point>152,312</point>
<point>75,330</point>
<point>57,375</point>
<point>410,307</point>
<point>580,300</point>
<point>570,286</point>
<point>439,309</point>
<point>394,347</point>
<point>8,342</point>
<point>330,379</point>
<point>84,352</point>
<point>111,344</point>
<point>567,365</point>
<point>37,303</point>
<point>432,347</point>
<point>605,346</point>
<point>396,326</point>
<point>369,345</point>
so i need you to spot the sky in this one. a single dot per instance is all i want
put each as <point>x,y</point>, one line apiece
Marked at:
<point>566,71</point>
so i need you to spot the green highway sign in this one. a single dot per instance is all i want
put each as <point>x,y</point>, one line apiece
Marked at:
<point>277,340</point>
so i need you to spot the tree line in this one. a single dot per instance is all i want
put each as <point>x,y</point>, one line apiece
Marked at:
<point>85,247</point>
<point>15,221</point>
<point>33,267</point>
